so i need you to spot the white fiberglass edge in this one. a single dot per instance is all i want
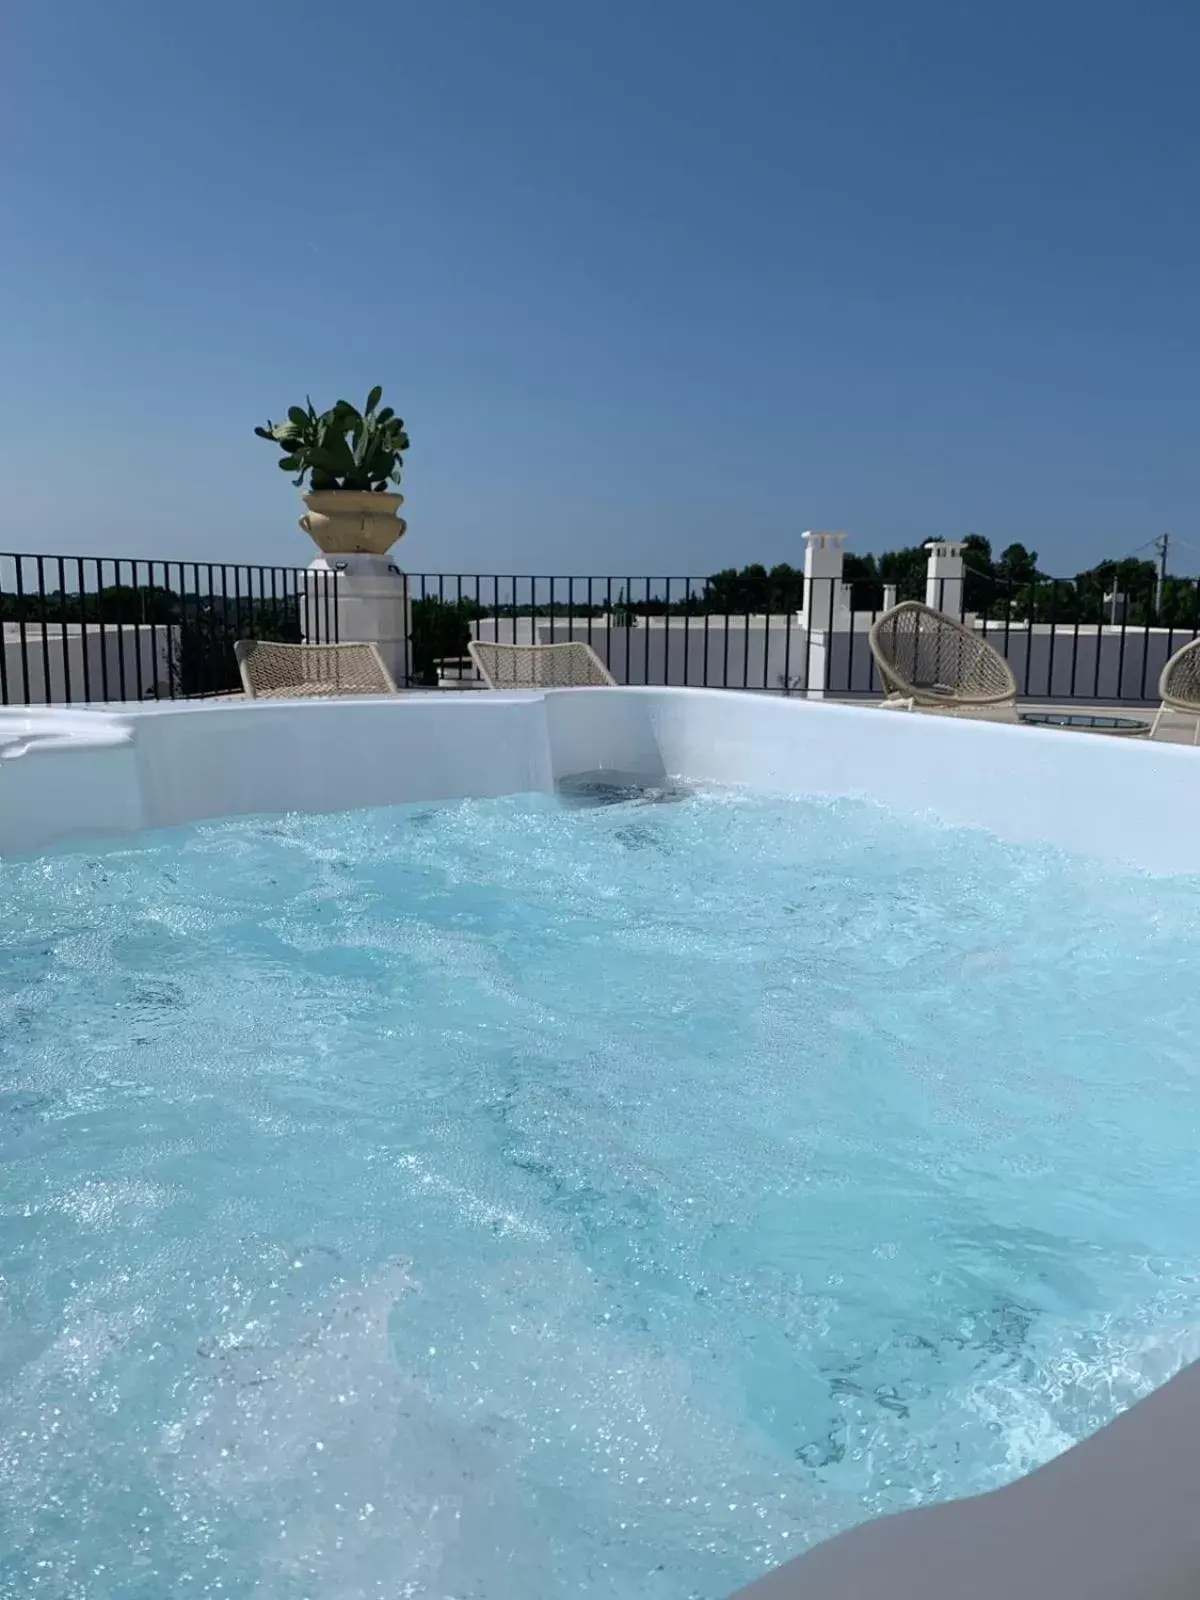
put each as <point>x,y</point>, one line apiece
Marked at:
<point>36,728</point>
<point>127,768</point>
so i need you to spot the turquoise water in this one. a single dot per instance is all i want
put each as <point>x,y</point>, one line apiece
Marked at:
<point>513,1199</point>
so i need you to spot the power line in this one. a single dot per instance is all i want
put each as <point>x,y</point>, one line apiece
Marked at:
<point>1142,547</point>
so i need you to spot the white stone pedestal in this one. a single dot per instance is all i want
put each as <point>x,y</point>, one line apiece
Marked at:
<point>358,599</point>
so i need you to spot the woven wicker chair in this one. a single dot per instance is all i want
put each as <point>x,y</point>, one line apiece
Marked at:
<point>1179,687</point>
<point>929,662</point>
<point>295,671</point>
<point>539,666</point>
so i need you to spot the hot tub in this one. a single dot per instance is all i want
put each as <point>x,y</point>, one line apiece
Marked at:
<point>421,1178</point>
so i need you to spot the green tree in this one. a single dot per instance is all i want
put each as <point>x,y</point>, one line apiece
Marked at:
<point>754,590</point>
<point>1017,584</point>
<point>861,573</point>
<point>623,614</point>
<point>441,631</point>
<point>906,569</point>
<point>1180,604</point>
<point>1133,579</point>
<point>1017,565</point>
<point>979,574</point>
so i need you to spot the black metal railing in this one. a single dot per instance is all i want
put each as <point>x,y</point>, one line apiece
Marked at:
<point>98,628</point>
<point>79,629</point>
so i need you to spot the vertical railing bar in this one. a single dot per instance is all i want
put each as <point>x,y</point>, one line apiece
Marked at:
<point>766,636</point>
<point>1150,611</point>
<point>809,613</point>
<point>121,679</point>
<point>1053,637</point>
<point>62,628</point>
<point>441,580</point>
<point>83,633</point>
<point>628,622</point>
<point>1099,646</point>
<point>1074,648</point>
<point>21,628</point>
<point>138,613</point>
<point>223,635</point>
<point>3,644</point>
<point>687,626</point>
<point>154,624</point>
<point>237,603</point>
<point>667,633</point>
<point>212,613</point>
<point>277,613</point>
<point>475,623</point>
<point>646,651</point>
<point>1031,636</point>
<point>104,684</point>
<point>41,580</point>
<point>184,599</point>
<point>850,647</point>
<point>826,683</point>
<point>725,651</point>
<point>176,614</point>
<point>787,654</point>
<point>1121,651</point>
<point>458,666</point>
<point>1008,627</point>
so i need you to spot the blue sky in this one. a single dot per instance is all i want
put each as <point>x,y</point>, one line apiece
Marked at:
<point>657,285</point>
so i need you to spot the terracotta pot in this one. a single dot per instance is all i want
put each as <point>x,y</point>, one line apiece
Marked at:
<point>353,521</point>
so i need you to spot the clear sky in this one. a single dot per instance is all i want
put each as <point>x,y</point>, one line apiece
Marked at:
<point>657,284</point>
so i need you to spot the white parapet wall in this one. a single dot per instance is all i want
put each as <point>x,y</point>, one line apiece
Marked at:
<point>53,663</point>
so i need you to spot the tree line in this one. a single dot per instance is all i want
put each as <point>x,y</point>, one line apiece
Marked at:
<point>1011,585</point>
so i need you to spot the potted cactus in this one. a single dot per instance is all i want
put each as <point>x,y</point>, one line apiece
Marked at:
<point>349,458</point>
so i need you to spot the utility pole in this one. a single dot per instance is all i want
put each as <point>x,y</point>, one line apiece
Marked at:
<point>1160,548</point>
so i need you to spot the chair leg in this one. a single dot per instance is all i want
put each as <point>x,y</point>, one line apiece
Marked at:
<point>1158,716</point>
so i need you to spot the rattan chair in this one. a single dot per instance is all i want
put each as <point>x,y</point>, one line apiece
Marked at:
<point>1179,687</point>
<point>539,666</point>
<point>309,671</point>
<point>930,662</point>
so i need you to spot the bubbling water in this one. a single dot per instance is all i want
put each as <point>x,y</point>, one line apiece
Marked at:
<point>543,1198</point>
